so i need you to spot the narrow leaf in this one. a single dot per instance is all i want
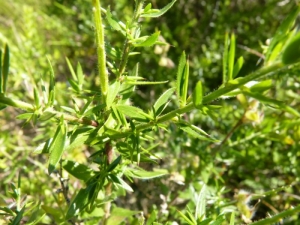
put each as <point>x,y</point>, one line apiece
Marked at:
<point>191,130</point>
<point>114,164</point>
<point>133,112</point>
<point>282,30</point>
<point>291,53</point>
<point>225,59</point>
<point>1,79</point>
<point>57,147</point>
<point>112,21</point>
<point>198,95</point>
<point>185,84</point>
<point>201,203</point>
<point>180,70</point>
<point>80,202</point>
<point>143,174</point>
<point>231,57</point>
<point>71,69</point>
<point>237,67</point>
<point>149,41</point>
<point>51,85</point>
<point>80,76</point>
<point>157,13</point>
<point>37,101</point>
<point>161,102</point>
<point>5,68</point>
<point>112,93</point>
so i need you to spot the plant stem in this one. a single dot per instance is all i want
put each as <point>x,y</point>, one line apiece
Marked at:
<point>269,70</point>
<point>100,49</point>
<point>127,45</point>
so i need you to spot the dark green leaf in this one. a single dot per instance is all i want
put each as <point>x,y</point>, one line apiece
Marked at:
<point>1,79</point>
<point>5,68</point>
<point>291,53</point>
<point>114,164</point>
<point>225,60</point>
<point>180,75</point>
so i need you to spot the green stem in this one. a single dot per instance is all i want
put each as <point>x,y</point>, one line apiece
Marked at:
<point>269,70</point>
<point>278,217</point>
<point>127,45</point>
<point>100,49</point>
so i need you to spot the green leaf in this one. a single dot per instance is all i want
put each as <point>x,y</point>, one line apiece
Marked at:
<point>232,217</point>
<point>5,68</point>
<point>80,171</point>
<point>81,200</point>
<point>261,86</point>
<point>198,95</point>
<point>237,67</point>
<point>74,85</point>
<point>114,164</point>
<point>19,216</point>
<point>112,93</point>
<point>133,112</point>
<point>57,147</point>
<point>196,132</point>
<point>119,214</point>
<point>156,13</point>
<point>225,60</point>
<point>24,116</point>
<point>185,84</point>
<point>146,82</point>
<point>147,41</point>
<point>80,76</point>
<point>112,21</point>
<point>231,57</point>
<point>37,101</point>
<point>282,30</point>
<point>180,75</point>
<point>291,53</point>
<point>143,174</point>
<point>148,7</point>
<point>161,102</point>
<point>1,79</point>
<point>71,69</point>
<point>201,203</point>
<point>51,92</point>
<point>118,181</point>
<point>186,218</point>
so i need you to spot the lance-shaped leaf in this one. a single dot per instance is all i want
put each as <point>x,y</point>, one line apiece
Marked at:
<point>182,79</point>
<point>112,94</point>
<point>162,102</point>
<point>1,79</point>
<point>237,67</point>
<point>143,174</point>
<point>114,164</point>
<point>51,86</point>
<point>81,200</point>
<point>157,12</point>
<point>291,53</point>
<point>5,68</point>
<point>196,132</point>
<point>57,146</point>
<point>231,57</point>
<point>198,95</point>
<point>133,112</point>
<point>225,60</point>
<point>282,30</point>
<point>146,41</point>
<point>80,171</point>
<point>112,21</point>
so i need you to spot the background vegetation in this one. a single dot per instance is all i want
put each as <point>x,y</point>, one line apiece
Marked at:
<point>259,142</point>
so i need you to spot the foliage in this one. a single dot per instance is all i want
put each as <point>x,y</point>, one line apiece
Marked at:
<point>131,142</point>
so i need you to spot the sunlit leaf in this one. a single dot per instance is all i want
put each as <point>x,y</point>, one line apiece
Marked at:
<point>57,147</point>
<point>112,93</point>
<point>237,67</point>
<point>231,57</point>
<point>157,13</point>
<point>80,171</point>
<point>161,102</point>
<point>143,174</point>
<point>198,95</point>
<point>148,41</point>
